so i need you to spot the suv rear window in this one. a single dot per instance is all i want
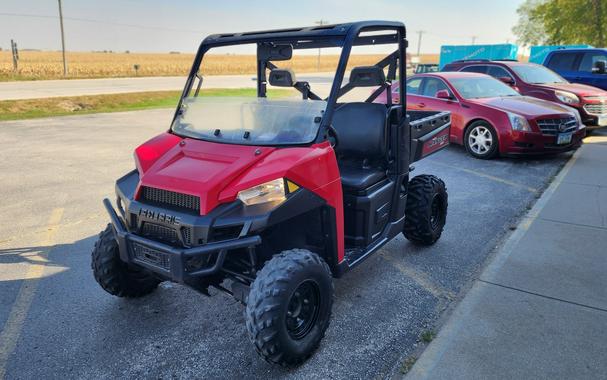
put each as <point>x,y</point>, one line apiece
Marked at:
<point>562,61</point>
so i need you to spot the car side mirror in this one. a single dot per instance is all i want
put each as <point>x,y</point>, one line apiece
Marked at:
<point>444,94</point>
<point>507,80</point>
<point>600,67</point>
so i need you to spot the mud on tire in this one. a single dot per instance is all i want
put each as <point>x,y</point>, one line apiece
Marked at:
<point>289,307</point>
<point>426,210</point>
<point>114,275</point>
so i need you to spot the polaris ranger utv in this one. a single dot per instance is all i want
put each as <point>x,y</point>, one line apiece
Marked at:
<point>268,200</point>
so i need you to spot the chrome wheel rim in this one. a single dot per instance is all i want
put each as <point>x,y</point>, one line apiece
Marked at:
<point>480,140</point>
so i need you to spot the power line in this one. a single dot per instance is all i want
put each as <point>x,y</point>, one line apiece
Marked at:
<point>100,22</point>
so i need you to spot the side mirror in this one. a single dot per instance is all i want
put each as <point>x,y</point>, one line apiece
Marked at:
<point>600,67</point>
<point>444,94</point>
<point>507,80</point>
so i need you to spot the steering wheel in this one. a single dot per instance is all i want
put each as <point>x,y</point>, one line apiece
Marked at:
<point>332,136</point>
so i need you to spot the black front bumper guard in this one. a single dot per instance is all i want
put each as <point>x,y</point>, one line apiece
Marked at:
<point>177,257</point>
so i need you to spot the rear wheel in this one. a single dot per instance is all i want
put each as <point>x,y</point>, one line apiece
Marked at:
<point>426,211</point>
<point>115,276</point>
<point>481,140</point>
<point>289,307</point>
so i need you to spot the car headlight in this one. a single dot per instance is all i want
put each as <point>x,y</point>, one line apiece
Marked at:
<point>518,122</point>
<point>567,97</point>
<point>272,191</point>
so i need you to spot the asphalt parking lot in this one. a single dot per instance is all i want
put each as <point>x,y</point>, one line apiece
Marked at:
<point>57,322</point>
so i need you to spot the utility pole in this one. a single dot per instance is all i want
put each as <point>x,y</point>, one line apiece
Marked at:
<point>419,41</point>
<point>62,39</point>
<point>320,22</point>
<point>15,52</point>
<point>474,40</point>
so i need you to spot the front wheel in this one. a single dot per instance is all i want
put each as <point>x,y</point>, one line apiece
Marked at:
<point>115,276</point>
<point>426,211</point>
<point>289,307</point>
<point>481,140</point>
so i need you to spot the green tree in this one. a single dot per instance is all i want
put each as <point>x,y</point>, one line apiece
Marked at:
<point>573,21</point>
<point>529,29</point>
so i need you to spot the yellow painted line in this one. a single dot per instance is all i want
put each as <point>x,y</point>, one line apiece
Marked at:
<point>420,278</point>
<point>490,177</point>
<point>9,335</point>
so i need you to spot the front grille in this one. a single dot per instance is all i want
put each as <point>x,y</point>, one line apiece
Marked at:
<point>161,233</point>
<point>151,256</point>
<point>186,233</point>
<point>226,233</point>
<point>596,109</point>
<point>552,127</point>
<point>170,199</point>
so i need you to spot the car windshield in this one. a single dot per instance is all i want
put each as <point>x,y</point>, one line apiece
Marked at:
<point>253,121</point>
<point>481,87</point>
<point>537,74</point>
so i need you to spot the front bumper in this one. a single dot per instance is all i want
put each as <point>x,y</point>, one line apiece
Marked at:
<point>176,264</point>
<point>523,143</point>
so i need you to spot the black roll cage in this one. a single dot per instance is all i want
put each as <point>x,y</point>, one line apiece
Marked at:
<point>340,35</point>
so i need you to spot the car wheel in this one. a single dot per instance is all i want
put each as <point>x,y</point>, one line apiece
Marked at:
<point>481,140</point>
<point>289,307</point>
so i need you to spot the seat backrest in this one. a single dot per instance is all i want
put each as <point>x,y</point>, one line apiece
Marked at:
<point>361,131</point>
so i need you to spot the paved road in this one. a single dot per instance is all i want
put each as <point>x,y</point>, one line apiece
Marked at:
<point>78,87</point>
<point>57,323</point>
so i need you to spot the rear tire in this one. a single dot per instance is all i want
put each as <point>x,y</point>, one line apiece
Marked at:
<point>115,276</point>
<point>481,140</point>
<point>289,307</point>
<point>426,211</point>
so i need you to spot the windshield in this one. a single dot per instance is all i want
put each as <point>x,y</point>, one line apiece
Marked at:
<point>250,121</point>
<point>537,74</point>
<point>481,87</point>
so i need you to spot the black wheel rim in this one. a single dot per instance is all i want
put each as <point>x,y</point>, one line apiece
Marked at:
<point>436,212</point>
<point>302,311</point>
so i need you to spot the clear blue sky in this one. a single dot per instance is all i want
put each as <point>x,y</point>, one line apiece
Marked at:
<point>179,25</point>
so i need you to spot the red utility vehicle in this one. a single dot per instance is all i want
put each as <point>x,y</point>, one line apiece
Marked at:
<point>540,82</point>
<point>490,118</point>
<point>268,199</point>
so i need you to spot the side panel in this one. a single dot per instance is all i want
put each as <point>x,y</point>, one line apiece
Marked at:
<point>314,168</point>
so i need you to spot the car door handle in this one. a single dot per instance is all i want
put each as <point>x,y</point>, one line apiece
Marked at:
<point>421,105</point>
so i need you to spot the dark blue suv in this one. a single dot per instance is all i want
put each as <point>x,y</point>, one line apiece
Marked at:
<point>586,66</point>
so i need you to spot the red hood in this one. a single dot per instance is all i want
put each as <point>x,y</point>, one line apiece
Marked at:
<point>525,105</point>
<point>575,88</point>
<point>196,167</point>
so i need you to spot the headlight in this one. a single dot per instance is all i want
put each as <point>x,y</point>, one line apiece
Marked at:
<point>567,97</point>
<point>273,191</point>
<point>518,122</point>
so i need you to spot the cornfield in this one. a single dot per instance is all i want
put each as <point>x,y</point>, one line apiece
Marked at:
<point>48,65</point>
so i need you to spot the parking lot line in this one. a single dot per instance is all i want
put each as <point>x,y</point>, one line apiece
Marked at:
<point>419,277</point>
<point>14,324</point>
<point>489,176</point>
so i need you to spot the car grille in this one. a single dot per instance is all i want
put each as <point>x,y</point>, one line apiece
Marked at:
<point>170,198</point>
<point>151,256</point>
<point>158,232</point>
<point>596,109</point>
<point>552,127</point>
<point>186,233</point>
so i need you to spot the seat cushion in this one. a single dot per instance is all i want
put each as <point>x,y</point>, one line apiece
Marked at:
<point>359,178</point>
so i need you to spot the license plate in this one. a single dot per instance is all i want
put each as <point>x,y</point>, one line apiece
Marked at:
<point>602,120</point>
<point>564,138</point>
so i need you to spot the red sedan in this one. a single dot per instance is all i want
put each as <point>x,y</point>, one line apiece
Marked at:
<point>489,118</point>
